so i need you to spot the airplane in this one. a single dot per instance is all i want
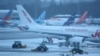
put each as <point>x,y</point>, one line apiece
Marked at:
<point>4,22</point>
<point>62,20</point>
<point>92,44</point>
<point>4,12</point>
<point>70,20</point>
<point>83,18</point>
<point>40,19</point>
<point>7,22</point>
<point>59,20</point>
<point>67,31</point>
<point>78,21</point>
<point>93,21</point>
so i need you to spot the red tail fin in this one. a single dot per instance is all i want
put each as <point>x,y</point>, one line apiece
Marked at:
<point>83,17</point>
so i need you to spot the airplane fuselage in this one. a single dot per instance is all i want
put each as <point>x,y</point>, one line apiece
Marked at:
<point>67,30</point>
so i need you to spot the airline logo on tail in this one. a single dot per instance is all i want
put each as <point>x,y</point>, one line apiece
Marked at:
<point>4,22</point>
<point>83,17</point>
<point>25,14</point>
<point>41,18</point>
<point>25,18</point>
<point>8,16</point>
<point>70,20</point>
<point>96,34</point>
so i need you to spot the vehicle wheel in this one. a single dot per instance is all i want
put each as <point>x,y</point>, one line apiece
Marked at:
<point>16,46</point>
<point>13,46</point>
<point>45,49</point>
<point>42,49</point>
<point>80,52</point>
<point>74,52</point>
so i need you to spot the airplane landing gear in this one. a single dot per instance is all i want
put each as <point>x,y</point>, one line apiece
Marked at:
<point>77,49</point>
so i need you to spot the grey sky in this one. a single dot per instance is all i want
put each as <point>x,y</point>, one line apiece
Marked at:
<point>48,1</point>
<point>54,6</point>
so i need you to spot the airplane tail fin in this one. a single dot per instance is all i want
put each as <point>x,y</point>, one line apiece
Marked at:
<point>4,21</point>
<point>83,17</point>
<point>70,20</point>
<point>25,18</point>
<point>8,16</point>
<point>40,19</point>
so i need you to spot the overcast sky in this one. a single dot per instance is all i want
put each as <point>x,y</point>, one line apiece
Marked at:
<point>43,3</point>
<point>54,6</point>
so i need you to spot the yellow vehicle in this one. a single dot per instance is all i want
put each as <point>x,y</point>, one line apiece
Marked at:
<point>18,44</point>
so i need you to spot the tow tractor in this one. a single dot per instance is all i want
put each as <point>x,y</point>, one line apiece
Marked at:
<point>18,44</point>
<point>41,48</point>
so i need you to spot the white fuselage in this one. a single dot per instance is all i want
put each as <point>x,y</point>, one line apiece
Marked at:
<point>58,22</point>
<point>66,30</point>
<point>15,33</point>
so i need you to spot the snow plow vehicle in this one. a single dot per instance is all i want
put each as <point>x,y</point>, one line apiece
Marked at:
<point>18,44</point>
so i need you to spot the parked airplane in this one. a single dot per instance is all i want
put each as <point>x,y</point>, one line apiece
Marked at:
<point>5,21</point>
<point>4,12</point>
<point>83,18</point>
<point>41,18</point>
<point>67,31</point>
<point>93,21</point>
<point>62,20</point>
<point>70,20</point>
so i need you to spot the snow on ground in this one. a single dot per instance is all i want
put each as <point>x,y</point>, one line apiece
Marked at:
<point>54,50</point>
